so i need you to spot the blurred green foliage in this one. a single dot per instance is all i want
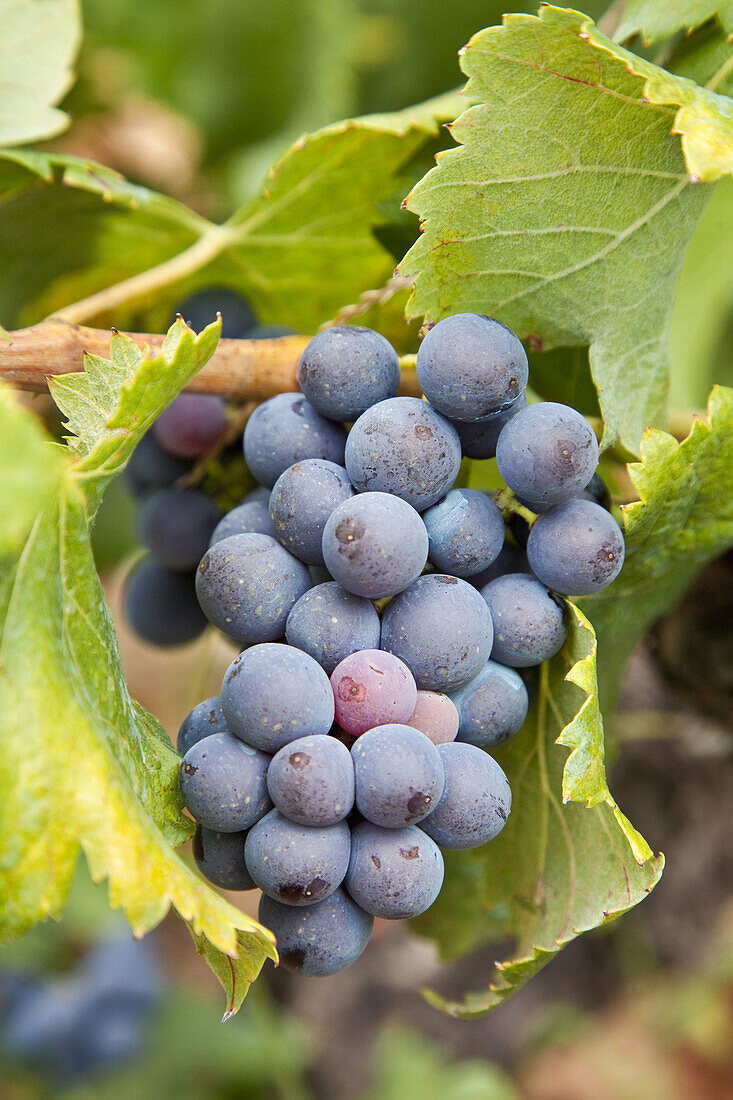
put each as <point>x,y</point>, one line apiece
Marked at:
<point>406,1067</point>
<point>701,342</point>
<point>252,78</point>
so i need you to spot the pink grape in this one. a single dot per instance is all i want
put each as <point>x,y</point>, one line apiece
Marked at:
<point>436,716</point>
<point>372,688</point>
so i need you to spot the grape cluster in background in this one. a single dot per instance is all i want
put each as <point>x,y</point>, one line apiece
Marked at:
<point>84,1021</point>
<point>388,629</point>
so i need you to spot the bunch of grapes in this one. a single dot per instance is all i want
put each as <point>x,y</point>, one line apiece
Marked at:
<point>386,628</point>
<point>86,1020</point>
<point>175,518</point>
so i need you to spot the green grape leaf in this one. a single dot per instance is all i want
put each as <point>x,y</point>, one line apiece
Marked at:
<point>701,348</point>
<point>34,479</point>
<point>86,766</point>
<point>563,864</point>
<point>684,517</point>
<point>654,21</point>
<point>69,227</point>
<point>112,403</point>
<point>300,249</point>
<point>705,56</point>
<point>571,232</point>
<point>38,44</point>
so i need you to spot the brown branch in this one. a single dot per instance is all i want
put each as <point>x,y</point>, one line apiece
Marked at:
<point>245,370</point>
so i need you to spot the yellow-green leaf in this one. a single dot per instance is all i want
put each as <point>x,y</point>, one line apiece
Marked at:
<point>565,862</point>
<point>85,766</point>
<point>38,43</point>
<point>684,517</point>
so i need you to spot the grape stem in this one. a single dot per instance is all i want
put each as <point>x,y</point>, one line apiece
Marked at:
<point>245,370</point>
<point>508,505</point>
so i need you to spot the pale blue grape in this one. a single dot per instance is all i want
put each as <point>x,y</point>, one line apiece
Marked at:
<point>224,783</point>
<point>492,706</point>
<point>286,429</point>
<point>311,781</point>
<point>576,548</point>
<point>302,499</point>
<point>529,625</point>
<point>398,774</point>
<point>247,586</point>
<point>203,720</point>
<point>476,800</point>
<point>404,447</point>
<point>297,864</point>
<point>465,532</point>
<point>441,628</point>
<point>393,873</point>
<point>346,369</point>
<point>318,940</point>
<point>273,694</point>
<point>547,453</point>
<point>251,517</point>
<point>375,545</point>
<point>470,366</point>
<point>330,623</point>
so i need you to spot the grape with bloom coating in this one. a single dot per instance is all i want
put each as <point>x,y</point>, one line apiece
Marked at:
<point>286,429</point>
<point>529,625</point>
<point>465,532</point>
<point>398,776</point>
<point>393,873</point>
<point>547,453</point>
<point>375,545</point>
<point>576,548</point>
<point>318,940</point>
<point>224,783</point>
<point>492,706</point>
<point>203,720</point>
<point>404,447</point>
<point>470,366</point>
<point>476,799</point>
<point>372,688</point>
<point>347,368</point>
<point>251,517</point>
<point>247,585</point>
<point>440,628</point>
<point>329,623</point>
<point>311,781</point>
<point>296,864</point>
<point>273,694</point>
<point>302,499</point>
